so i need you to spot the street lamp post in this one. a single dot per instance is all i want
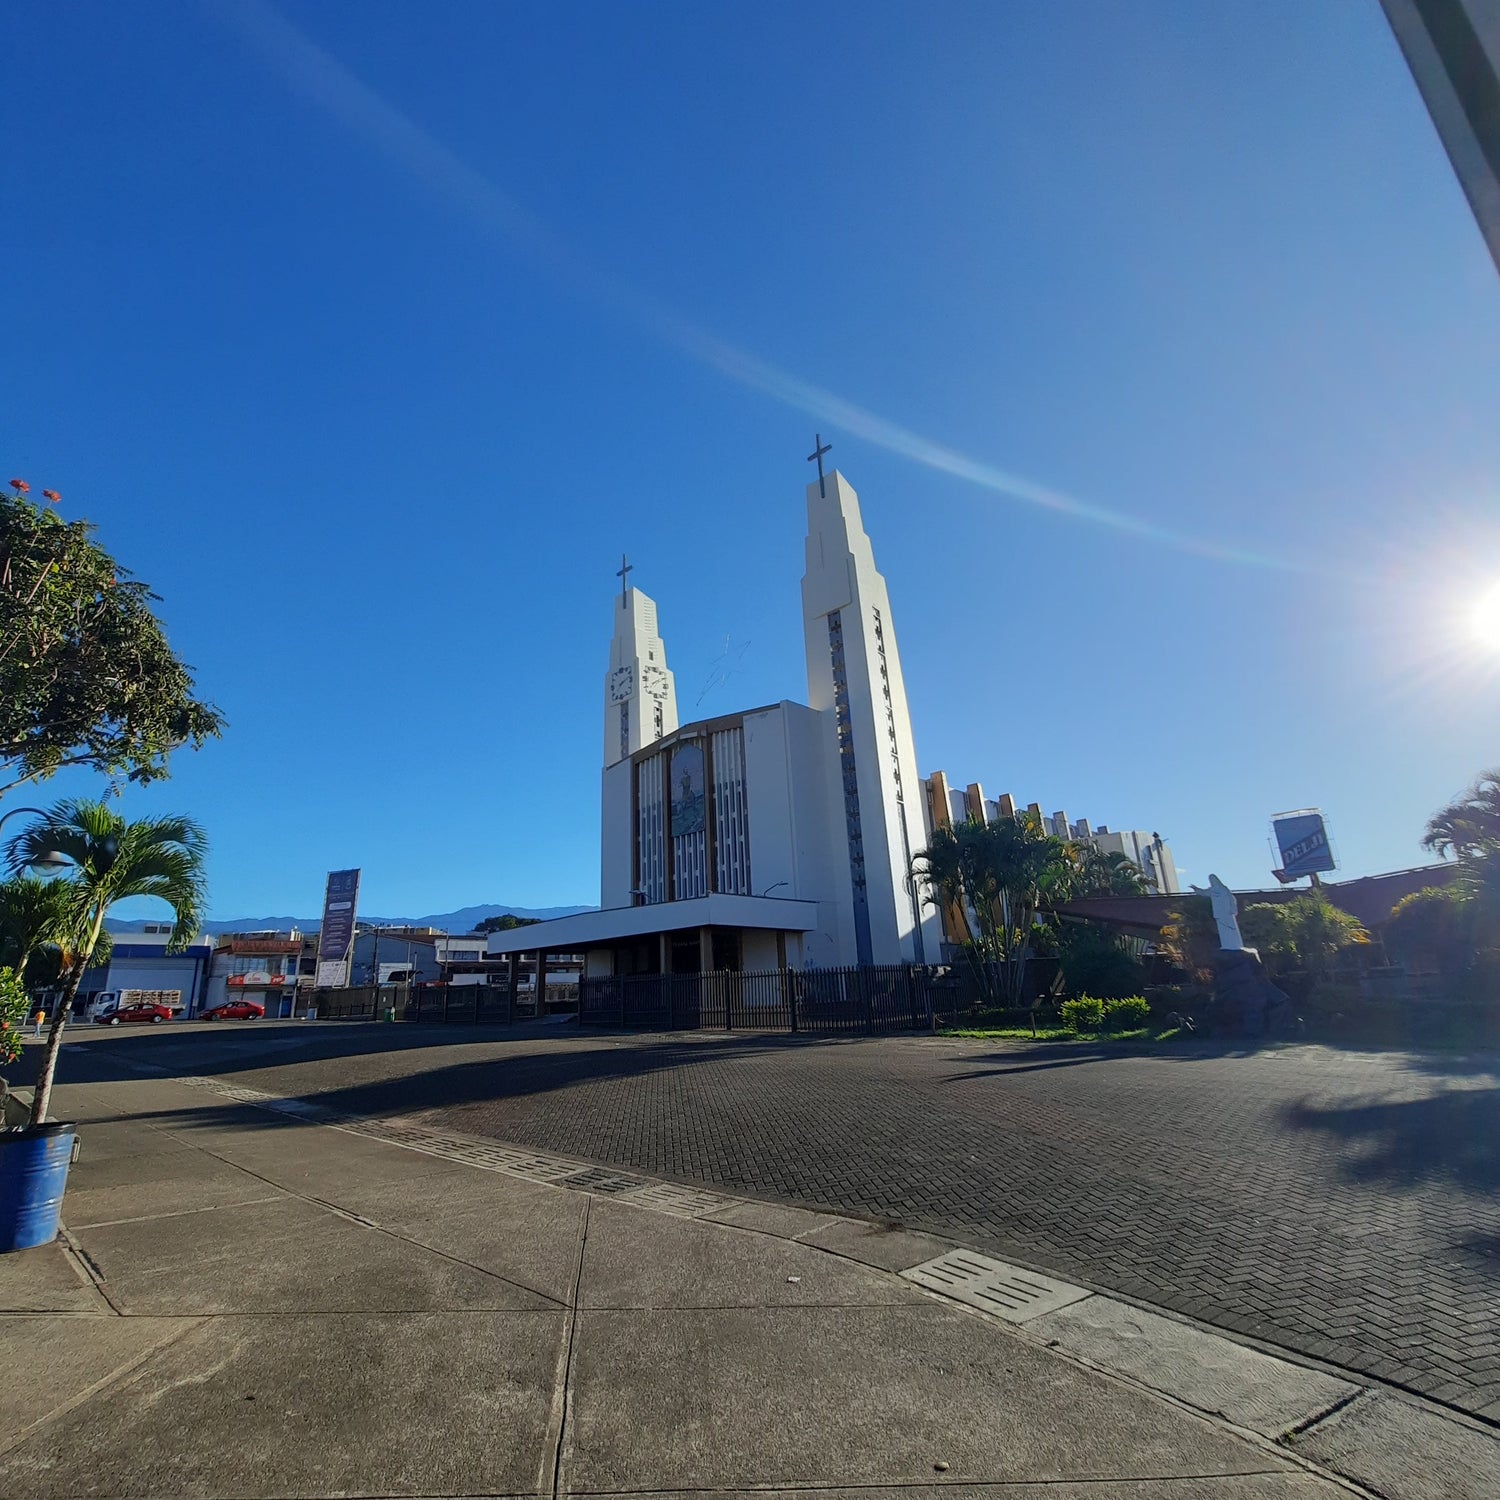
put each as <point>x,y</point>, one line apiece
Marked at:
<point>374,931</point>
<point>49,859</point>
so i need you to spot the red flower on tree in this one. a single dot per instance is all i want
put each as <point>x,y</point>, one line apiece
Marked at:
<point>53,496</point>
<point>21,486</point>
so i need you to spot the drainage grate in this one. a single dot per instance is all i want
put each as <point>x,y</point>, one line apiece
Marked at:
<point>471,1153</point>
<point>304,1110</point>
<point>664,1197</point>
<point>602,1180</point>
<point>228,1090</point>
<point>686,1202</point>
<point>994,1287</point>
<point>538,1168</point>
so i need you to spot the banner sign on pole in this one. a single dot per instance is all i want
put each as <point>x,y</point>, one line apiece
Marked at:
<point>336,937</point>
<point>1302,841</point>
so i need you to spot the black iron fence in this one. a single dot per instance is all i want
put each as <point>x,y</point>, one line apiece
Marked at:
<point>478,1004</point>
<point>822,1002</point>
<point>858,1001</point>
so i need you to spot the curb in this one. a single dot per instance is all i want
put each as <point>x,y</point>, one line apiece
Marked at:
<point>1343,1426</point>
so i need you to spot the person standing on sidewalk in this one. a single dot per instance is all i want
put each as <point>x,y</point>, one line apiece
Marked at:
<point>36,1021</point>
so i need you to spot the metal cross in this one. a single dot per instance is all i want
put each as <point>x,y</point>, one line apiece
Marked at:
<point>625,567</point>
<point>816,456</point>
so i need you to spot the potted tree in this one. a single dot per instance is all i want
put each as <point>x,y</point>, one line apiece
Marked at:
<point>87,679</point>
<point>107,859</point>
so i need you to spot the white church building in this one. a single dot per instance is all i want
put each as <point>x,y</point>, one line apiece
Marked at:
<point>779,836</point>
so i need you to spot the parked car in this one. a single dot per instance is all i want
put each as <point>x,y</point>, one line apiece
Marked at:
<point>124,1014</point>
<point>235,1010</point>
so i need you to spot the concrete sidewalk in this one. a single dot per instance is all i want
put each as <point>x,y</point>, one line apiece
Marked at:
<point>248,1302</point>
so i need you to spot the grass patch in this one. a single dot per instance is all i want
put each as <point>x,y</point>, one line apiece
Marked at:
<point>1147,1035</point>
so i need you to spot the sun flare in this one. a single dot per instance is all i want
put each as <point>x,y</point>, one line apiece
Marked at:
<point>1487,619</point>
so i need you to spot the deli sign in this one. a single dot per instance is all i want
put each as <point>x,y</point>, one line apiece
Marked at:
<point>1302,842</point>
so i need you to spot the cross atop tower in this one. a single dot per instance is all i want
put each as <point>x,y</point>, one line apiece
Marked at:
<point>625,567</point>
<point>816,456</point>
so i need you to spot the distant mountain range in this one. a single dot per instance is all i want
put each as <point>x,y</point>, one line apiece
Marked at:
<point>465,919</point>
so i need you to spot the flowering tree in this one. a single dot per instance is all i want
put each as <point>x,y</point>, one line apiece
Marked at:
<point>87,677</point>
<point>12,1016</point>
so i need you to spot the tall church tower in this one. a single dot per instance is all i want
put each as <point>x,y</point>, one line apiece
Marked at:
<point>640,693</point>
<point>854,675</point>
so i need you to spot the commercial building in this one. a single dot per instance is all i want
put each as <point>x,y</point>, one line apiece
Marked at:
<point>1147,850</point>
<point>464,959</point>
<point>139,961</point>
<point>396,955</point>
<point>265,967</point>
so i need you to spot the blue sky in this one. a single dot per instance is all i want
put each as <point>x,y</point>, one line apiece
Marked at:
<point>370,334</point>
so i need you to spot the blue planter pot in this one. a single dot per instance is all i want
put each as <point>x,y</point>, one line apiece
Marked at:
<point>33,1175</point>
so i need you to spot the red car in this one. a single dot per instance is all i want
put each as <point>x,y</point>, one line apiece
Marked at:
<point>235,1010</point>
<point>129,1013</point>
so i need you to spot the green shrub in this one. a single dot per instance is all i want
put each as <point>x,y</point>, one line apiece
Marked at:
<point>1083,1014</point>
<point>1097,962</point>
<point>1127,1014</point>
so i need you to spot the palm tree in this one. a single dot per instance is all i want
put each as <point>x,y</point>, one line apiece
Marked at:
<point>1112,874</point>
<point>1026,865</point>
<point>1470,825</point>
<point>33,915</point>
<point>112,859</point>
<point>945,868</point>
<point>995,873</point>
<point>1469,828</point>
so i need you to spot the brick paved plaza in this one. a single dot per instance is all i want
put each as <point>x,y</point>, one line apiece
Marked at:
<point>1341,1204</point>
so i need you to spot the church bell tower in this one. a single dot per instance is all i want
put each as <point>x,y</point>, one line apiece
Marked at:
<point>640,693</point>
<point>854,675</point>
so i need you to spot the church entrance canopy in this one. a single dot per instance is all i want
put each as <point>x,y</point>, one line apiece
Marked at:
<point>629,924</point>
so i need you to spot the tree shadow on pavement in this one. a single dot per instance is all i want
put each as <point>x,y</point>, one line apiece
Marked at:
<point>1450,1136</point>
<point>496,1075</point>
<point>1037,1057</point>
<point>1456,1064</point>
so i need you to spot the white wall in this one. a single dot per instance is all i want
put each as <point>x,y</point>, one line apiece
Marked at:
<point>822,853</point>
<point>616,835</point>
<point>768,802</point>
<point>788,750</point>
<point>758,951</point>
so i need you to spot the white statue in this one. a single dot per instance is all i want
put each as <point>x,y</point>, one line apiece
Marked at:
<point>1226,914</point>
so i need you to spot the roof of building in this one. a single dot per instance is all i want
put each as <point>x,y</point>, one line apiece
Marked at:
<point>1369,898</point>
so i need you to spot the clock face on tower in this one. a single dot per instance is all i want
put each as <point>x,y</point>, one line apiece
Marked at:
<point>654,681</point>
<point>621,684</point>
